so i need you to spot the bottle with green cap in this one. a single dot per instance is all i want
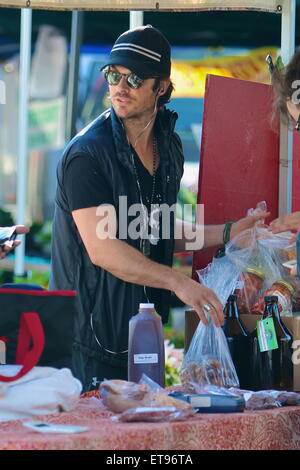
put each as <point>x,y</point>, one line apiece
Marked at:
<point>146,354</point>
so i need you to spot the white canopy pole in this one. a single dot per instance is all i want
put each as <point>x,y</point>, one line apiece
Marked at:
<point>288,22</point>
<point>136,19</point>
<point>25,56</point>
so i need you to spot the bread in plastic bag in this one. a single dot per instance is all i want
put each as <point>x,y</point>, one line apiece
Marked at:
<point>266,399</point>
<point>208,359</point>
<point>145,401</point>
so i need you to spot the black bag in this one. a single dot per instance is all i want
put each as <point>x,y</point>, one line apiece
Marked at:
<point>36,327</point>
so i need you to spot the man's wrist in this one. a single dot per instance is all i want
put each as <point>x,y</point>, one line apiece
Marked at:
<point>176,280</point>
<point>226,232</point>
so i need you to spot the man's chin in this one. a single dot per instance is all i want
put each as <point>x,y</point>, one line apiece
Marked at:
<point>125,114</point>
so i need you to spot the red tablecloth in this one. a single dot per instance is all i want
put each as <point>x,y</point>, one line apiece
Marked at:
<point>270,429</point>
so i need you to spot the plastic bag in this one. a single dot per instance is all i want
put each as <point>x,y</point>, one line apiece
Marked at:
<point>208,360</point>
<point>260,256</point>
<point>266,399</point>
<point>145,401</point>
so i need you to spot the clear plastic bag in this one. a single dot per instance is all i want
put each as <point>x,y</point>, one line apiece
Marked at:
<point>208,360</point>
<point>265,399</point>
<point>261,400</point>
<point>145,401</point>
<point>260,255</point>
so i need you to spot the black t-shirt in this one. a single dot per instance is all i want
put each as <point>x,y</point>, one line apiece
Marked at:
<point>86,187</point>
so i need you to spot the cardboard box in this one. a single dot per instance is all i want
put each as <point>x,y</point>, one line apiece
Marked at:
<point>292,323</point>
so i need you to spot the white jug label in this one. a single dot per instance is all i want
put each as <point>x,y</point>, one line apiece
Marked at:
<point>145,358</point>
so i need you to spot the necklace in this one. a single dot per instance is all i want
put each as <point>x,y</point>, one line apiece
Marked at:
<point>145,242</point>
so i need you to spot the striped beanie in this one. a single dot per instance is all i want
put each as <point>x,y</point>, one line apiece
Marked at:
<point>143,50</point>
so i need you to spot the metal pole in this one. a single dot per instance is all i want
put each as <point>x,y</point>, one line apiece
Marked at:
<point>25,56</point>
<point>288,21</point>
<point>76,41</point>
<point>136,19</point>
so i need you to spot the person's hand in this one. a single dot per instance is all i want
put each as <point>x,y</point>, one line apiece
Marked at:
<point>8,246</point>
<point>202,299</point>
<point>246,223</point>
<point>285,222</point>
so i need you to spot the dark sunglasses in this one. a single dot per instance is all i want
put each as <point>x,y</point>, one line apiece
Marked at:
<point>113,78</point>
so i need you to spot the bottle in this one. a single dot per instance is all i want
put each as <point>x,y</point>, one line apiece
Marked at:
<point>274,369</point>
<point>146,353</point>
<point>239,342</point>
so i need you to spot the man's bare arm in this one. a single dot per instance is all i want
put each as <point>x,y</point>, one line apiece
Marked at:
<point>128,264</point>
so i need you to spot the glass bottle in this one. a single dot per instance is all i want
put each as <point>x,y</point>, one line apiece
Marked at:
<point>239,342</point>
<point>274,369</point>
<point>146,353</point>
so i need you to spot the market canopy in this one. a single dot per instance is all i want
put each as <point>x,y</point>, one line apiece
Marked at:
<point>145,5</point>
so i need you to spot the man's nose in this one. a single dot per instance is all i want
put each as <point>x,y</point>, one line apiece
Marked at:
<point>123,85</point>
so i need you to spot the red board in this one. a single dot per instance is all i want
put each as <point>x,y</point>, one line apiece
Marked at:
<point>239,153</point>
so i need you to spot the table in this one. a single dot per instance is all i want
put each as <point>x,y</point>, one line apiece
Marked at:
<point>267,429</point>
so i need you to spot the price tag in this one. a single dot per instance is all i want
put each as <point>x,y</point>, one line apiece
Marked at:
<point>266,335</point>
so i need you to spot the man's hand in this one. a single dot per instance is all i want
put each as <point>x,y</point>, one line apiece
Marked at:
<point>286,222</point>
<point>8,246</point>
<point>247,223</point>
<point>202,299</point>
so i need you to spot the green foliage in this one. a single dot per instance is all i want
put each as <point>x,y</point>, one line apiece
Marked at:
<point>39,238</point>
<point>6,276</point>
<point>6,218</point>
<point>175,338</point>
<point>186,200</point>
<point>171,375</point>
<point>43,237</point>
<point>35,277</point>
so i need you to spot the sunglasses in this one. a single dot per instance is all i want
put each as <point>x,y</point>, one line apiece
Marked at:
<point>113,78</point>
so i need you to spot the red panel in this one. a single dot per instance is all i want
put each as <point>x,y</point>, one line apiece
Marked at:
<point>239,153</point>
<point>296,172</point>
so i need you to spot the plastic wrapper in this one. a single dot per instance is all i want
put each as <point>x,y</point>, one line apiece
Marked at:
<point>266,399</point>
<point>157,414</point>
<point>261,259</point>
<point>208,359</point>
<point>145,401</point>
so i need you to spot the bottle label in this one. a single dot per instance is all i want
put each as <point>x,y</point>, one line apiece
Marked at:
<point>266,335</point>
<point>150,358</point>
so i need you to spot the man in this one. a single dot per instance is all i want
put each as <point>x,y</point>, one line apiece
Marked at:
<point>130,152</point>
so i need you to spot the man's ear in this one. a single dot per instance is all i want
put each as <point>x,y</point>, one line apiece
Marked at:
<point>163,86</point>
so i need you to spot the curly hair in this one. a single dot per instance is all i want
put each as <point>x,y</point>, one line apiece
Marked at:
<point>283,82</point>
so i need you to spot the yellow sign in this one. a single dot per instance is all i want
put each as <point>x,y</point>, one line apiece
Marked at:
<point>189,77</point>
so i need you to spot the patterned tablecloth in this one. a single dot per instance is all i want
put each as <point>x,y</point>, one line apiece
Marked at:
<point>269,429</point>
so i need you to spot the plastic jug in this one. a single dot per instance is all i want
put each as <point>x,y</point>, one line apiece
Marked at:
<point>146,352</point>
